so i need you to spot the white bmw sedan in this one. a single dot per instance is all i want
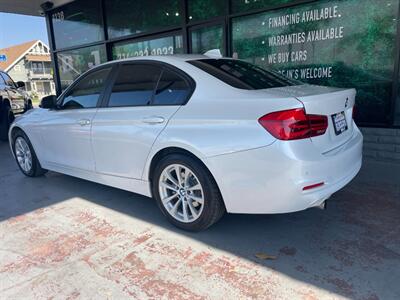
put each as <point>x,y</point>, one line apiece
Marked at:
<point>203,136</point>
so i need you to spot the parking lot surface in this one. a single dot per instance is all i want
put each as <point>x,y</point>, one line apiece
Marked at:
<point>66,238</point>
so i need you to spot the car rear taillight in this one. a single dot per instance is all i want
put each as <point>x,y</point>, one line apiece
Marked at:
<point>294,124</point>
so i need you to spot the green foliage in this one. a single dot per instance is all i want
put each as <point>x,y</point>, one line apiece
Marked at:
<point>207,38</point>
<point>206,9</point>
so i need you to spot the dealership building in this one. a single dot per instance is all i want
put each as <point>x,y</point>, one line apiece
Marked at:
<point>343,43</point>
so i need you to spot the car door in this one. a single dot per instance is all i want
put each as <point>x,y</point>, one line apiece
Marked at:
<point>66,130</point>
<point>142,99</point>
<point>16,98</point>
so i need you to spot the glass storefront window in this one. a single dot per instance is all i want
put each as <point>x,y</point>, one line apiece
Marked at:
<point>326,43</point>
<point>125,17</point>
<point>73,63</point>
<point>162,46</point>
<point>206,9</point>
<point>207,38</point>
<point>77,23</point>
<point>245,5</point>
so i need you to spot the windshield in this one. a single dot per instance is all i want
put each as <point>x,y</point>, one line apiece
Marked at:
<point>243,75</point>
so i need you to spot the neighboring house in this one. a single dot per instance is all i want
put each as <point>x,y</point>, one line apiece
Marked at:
<point>31,63</point>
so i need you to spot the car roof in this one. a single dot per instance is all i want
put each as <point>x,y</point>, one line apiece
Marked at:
<point>171,59</point>
<point>175,57</point>
<point>165,58</point>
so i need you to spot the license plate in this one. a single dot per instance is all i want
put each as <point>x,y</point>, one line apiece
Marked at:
<point>339,122</point>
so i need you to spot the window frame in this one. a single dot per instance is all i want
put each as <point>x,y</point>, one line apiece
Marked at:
<point>84,75</point>
<point>115,79</point>
<point>163,66</point>
<point>188,96</point>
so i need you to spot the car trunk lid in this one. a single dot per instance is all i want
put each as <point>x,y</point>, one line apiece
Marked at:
<point>337,104</point>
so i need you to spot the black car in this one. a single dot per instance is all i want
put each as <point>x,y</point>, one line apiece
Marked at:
<point>13,100</point>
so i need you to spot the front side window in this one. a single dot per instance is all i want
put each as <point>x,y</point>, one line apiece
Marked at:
<point>135,85</point>
<point>172,89</point>
<point>87,92</point>
<point>242,75</point>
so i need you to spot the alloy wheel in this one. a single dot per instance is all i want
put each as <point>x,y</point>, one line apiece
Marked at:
<point>181,193</point>
<point>23,154</point>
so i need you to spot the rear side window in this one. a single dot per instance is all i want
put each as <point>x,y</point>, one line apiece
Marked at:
<point>87,91</point>
<point>135,85</point>
<point>8,80</point>
<point>242,75</point>
<point>172,89</point>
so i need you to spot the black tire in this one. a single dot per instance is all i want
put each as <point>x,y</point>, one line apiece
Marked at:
<point>36,169</point>
<point>6,119</point>
<point>214,207</point>
<point>28,106</point>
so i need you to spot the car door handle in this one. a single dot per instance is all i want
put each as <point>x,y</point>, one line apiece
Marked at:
<point>84,122</point>
<point>153,120</point>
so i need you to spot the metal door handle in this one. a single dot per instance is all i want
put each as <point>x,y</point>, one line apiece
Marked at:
<point>153,120</point>
<point>84,122</point>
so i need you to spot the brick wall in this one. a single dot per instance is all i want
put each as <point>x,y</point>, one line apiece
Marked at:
<point>382,144</point>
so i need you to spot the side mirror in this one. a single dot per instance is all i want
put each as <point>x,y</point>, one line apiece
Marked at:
<point>20,84</point>
<point>48,102</point>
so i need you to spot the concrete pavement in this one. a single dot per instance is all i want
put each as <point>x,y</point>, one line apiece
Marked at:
<point>66,238</point>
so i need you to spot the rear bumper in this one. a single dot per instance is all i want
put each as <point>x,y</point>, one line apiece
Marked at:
<point>271,179</point>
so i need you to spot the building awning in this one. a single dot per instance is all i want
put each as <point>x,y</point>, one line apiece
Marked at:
<point>26,7</point>
<point>31,57</point>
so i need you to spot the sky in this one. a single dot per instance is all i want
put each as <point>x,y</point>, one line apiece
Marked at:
<point>18,29</point>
